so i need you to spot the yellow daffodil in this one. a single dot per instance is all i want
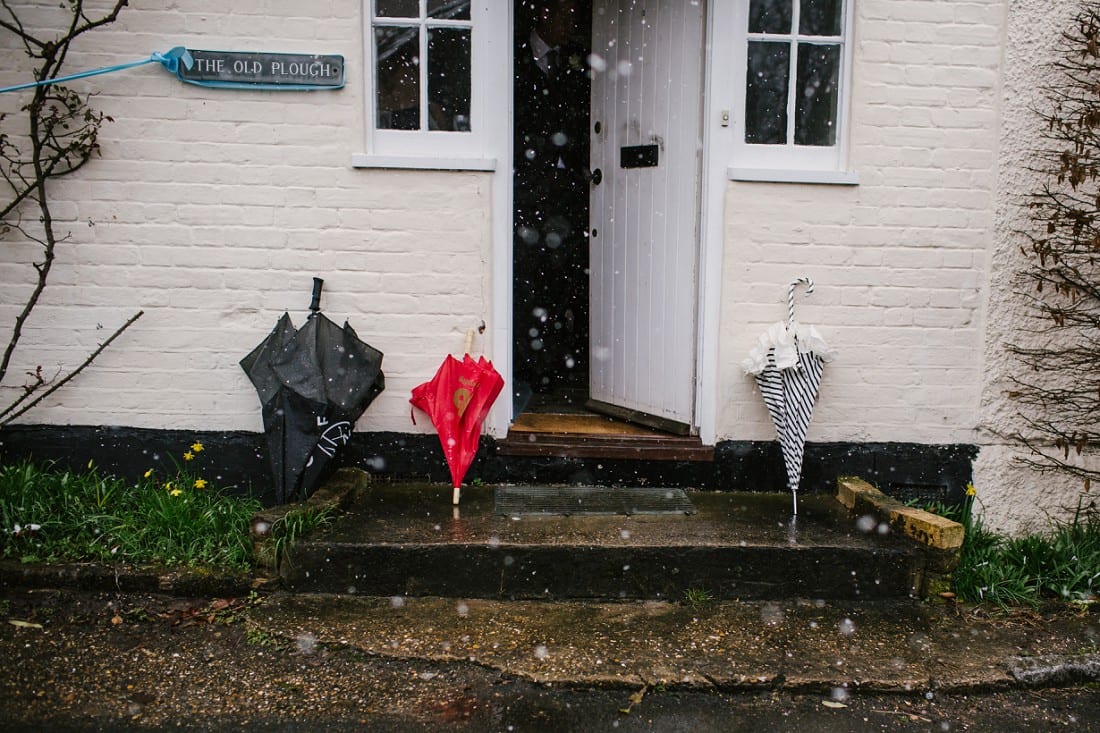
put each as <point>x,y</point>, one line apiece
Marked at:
<point>200,483</point>
<point>970,490</point>
<point>188,456</point>
<point>197,447</point>
<point>149,473</point>
<point>175,492</point>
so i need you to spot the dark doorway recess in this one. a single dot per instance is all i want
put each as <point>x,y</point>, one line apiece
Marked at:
<point>552,45</point>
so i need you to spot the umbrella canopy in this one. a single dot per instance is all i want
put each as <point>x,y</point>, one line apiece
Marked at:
<point>313,385</point>
<point>457,399</point>
<point>787,362</point>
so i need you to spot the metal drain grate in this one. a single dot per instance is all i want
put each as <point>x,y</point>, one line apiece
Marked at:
<point>575,500</point>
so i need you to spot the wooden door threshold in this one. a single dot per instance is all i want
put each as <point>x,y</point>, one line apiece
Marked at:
<point>597,436</point>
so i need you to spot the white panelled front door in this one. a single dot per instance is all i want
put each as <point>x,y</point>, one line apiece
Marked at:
<point>646,149</point>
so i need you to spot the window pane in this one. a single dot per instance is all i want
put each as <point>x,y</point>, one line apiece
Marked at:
<point>449,79</point>
<point>397,8</point>
<point>450,9</point>
<point>820,17</point>
<point>766,93</point>
<point>770,16</point>
<point>398,89</point>
<point>816,105</point>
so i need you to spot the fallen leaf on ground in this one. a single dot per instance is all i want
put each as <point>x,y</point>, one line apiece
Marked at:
<point>24,624</point>
<point>635,699</point>
<point>833,704</point>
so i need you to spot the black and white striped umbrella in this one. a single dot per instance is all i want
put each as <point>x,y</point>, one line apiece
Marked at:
<point>787,362</point>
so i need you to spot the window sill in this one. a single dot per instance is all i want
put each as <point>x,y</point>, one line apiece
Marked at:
<point>370,160</point>
<point>779,175</point>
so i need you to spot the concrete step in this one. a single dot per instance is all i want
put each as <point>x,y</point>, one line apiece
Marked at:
<point>408,540</point>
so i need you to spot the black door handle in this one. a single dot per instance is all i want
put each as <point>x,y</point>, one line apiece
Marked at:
<point>597,176</point>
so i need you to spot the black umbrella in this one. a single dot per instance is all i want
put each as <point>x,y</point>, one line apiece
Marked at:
<point>313,384</point>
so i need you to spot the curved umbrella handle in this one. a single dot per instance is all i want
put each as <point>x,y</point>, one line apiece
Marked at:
<point>315,304</point>
<point>790,297</point>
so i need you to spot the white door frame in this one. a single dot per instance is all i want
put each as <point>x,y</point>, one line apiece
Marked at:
<point>717,145</point>
<point>500,329</point>
<point>709,267</point>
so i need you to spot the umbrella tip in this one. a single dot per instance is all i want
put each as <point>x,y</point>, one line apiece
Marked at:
<point>454,495</point>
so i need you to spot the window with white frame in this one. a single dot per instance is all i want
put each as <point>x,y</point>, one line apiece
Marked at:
<point>794,61</point>
<point>428,83</point>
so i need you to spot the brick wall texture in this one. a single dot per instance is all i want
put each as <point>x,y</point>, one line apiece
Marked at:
<point>900,260</point>
<point>212,210</point>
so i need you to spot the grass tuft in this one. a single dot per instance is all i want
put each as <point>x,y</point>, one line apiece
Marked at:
<point>697,598</point>
<point>1062,563</point>
<point>295,524</point>
<point>49,515</point>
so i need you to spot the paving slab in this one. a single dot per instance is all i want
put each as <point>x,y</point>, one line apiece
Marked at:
<point>802,645</point>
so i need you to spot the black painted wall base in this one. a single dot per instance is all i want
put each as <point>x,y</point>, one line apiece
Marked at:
<point>238,461</point>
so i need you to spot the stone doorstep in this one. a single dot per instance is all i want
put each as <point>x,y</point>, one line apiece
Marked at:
<point>930,530</point>
<point>923,565</point>
<point>940,539</point>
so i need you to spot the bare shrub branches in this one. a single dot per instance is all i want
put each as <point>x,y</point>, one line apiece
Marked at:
<point>1058,392</point>
<point>60,137</point>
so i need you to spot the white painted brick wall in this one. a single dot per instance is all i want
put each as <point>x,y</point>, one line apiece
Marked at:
<point>212,209</point>
<point>900,260</point>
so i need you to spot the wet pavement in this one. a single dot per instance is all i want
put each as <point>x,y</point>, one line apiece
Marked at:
<point>799,645</point>
<point>83,661</point>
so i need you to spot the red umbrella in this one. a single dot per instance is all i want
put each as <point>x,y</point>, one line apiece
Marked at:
<point>457,400</point>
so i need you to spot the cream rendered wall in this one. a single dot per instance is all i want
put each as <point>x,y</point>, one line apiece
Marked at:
<point>212,209</point>
<point>1012,497</point>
